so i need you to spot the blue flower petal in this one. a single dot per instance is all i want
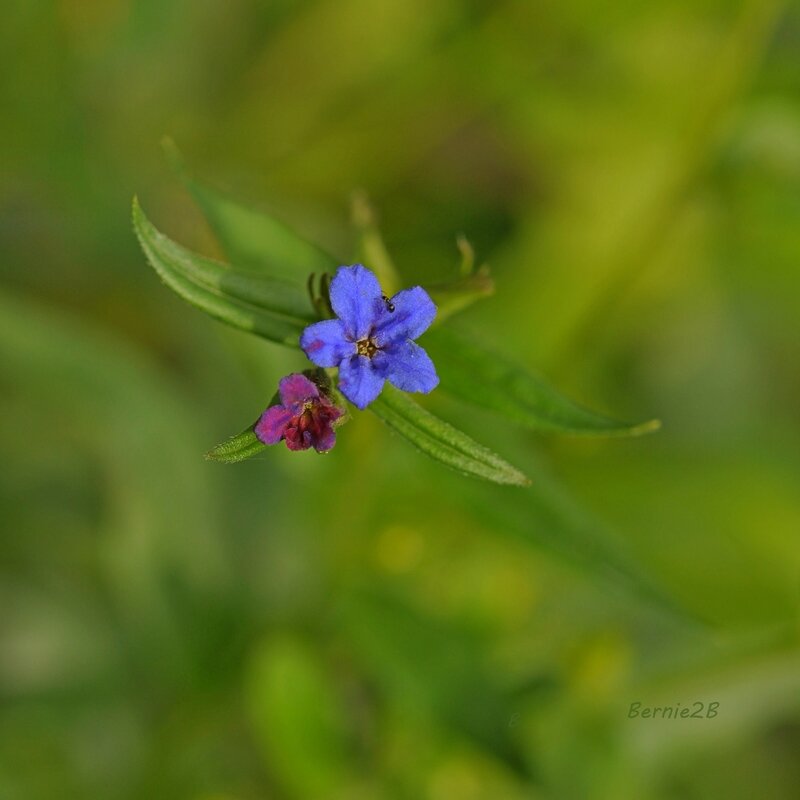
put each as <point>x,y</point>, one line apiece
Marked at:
<point>326,344</point>
<point>360,381</point>
<point>356,299</point>
<point>409,367</point>
<point>414,311</point>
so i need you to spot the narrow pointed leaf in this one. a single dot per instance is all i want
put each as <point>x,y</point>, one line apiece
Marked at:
<point>442,441</point>
<point>253,238</point>
<point>472,372</point>
<point>257,240</point>
<point>237,448</point>
<point>272,309</point>
<point>450,298</point>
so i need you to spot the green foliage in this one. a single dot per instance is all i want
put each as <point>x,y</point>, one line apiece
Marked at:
<point>237,448</point>
<point>173,629</point>
<point>251,303</point>
<point>298,717</point>
<point>251,238</point>
<point>474,373</point>
<point>459,294</point>
<point>442,441</point>
<point>468,370</point>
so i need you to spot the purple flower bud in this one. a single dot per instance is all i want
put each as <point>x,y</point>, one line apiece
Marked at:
<point>304,418</point>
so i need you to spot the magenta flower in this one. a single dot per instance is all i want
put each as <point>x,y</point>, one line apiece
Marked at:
<point>372,341</point>
<point>304,418</point>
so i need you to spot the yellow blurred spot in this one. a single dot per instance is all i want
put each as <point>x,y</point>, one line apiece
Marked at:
<point>513,594</point>
<point>473,776</point>
<point>91,22</point>
<point>216,796</point>
<point>455,778</point>
<point>601,667</point>
<point>399,548</point>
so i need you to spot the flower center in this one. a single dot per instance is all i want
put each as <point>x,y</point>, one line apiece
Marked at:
<point>366,347</point>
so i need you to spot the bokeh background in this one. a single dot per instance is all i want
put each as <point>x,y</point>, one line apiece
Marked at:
<point>368,624</point>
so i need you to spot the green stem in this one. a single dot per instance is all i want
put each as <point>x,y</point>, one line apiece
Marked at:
<point>372,251</point>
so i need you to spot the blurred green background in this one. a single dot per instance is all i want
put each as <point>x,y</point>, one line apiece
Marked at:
<point>368,624</point>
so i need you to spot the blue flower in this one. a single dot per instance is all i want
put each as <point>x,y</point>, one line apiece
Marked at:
<point>372,340</point>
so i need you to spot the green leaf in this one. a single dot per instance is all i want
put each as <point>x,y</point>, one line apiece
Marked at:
<point>257,240</point>
<point>442,441</point>
<point>450,298</point>
<point>252,238</point>
<point>273,309</point>
<point>472,372</point>
<point>237,448</point>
